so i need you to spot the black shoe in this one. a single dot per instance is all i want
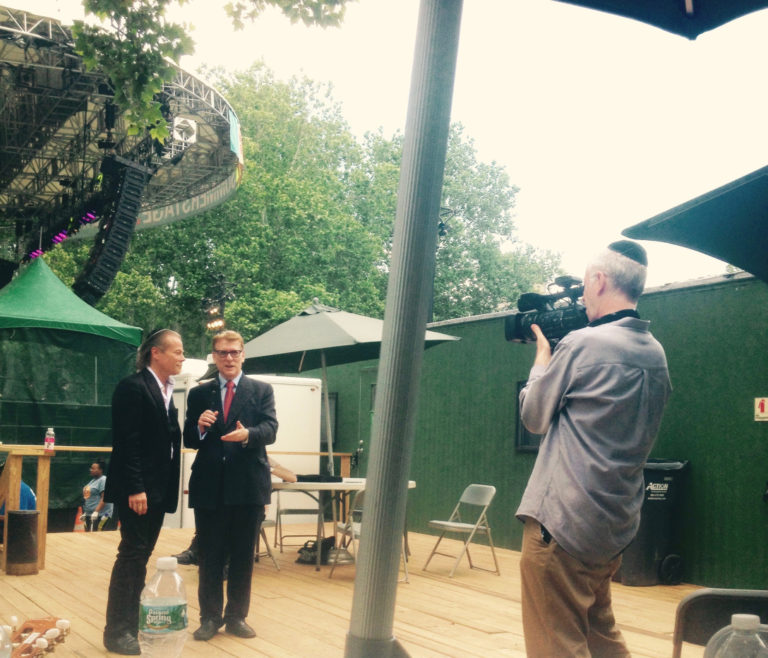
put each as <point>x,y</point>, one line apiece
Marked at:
<point>186,557</point>
<point>123,643</point>
<point>240,628</point>
<point>208,628</point>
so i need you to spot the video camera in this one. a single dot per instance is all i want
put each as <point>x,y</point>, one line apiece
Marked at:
<point>556,313</point>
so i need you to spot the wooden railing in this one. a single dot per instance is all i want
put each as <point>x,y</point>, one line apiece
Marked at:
<point>345,459</point>
<point>10,486</point>
<point>10,483</point>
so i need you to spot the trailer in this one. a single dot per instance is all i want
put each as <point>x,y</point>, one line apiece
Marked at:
<point>297,403</point>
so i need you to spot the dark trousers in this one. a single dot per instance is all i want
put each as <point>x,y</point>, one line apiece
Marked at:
<point>138,535</point>
<point>226,533</point>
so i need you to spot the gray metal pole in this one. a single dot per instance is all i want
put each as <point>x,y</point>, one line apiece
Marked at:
<point>410,285</point>
<point>327,407</point>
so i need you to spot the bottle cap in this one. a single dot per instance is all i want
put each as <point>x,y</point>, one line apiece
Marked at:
<point>745,622</point>
<point>170,563</point>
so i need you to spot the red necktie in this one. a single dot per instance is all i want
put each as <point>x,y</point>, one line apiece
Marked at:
<point>228,398</point>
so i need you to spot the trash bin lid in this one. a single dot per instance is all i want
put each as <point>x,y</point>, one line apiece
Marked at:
<point>665,464</point>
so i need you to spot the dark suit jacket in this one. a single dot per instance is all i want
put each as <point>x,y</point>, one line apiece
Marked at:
<point>143,438</point>
<point>230,473</point>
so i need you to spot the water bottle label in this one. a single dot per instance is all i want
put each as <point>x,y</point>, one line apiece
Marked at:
<point>162,618</point>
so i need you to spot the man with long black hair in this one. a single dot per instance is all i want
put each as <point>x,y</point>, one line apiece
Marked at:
<point>143,477</point>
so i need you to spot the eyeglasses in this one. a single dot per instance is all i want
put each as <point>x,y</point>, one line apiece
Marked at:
<point>223,354</point>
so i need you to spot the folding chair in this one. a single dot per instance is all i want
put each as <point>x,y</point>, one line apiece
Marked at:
<point>350,533</point>
<point>476,498</point>
<point>704,612</point>
<point>282,510</point>
<point>262,539</point>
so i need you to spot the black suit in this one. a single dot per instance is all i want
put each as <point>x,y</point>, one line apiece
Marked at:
<point>146,447</point>
<point>228,489</point>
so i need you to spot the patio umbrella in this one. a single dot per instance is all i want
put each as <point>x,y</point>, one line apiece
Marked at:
<point>318,337</point>
<point>729,223</point>
<point>688,18</point>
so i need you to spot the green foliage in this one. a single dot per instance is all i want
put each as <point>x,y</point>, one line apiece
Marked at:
<point>136,54</point>
<point>313,218</point>
<point>138,50</point>
<point>479,267</point>
<point>310,12</point>
<point>67,261</point>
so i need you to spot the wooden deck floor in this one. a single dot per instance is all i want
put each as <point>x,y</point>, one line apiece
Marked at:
<point>299,612</point>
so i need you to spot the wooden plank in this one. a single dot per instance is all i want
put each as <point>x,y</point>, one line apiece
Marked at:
<point>43,485</point>
<point>12,482</point>
<point>298,611</point>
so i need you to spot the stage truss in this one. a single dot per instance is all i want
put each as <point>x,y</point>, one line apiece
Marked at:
<point>58,123</point>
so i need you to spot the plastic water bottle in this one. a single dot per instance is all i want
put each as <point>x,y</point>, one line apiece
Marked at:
<point>743,638</point>
<point>50,439</point>
<point>5,642</point>
<point>163,612</point>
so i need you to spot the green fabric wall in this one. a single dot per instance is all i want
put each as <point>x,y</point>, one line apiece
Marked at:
<point>715,339</point>
<point>65,380</point>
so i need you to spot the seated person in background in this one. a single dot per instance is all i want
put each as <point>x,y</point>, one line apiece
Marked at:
<point>278,470</point>
<point>96,512</point>
<point>189,556</point>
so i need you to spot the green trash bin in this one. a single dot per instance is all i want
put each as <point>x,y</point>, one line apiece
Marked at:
<point>650,559</point>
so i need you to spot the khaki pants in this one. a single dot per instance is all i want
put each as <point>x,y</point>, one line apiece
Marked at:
<point>566,603</point>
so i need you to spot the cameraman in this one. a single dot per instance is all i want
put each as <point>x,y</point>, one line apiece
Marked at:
<point>599,398</point>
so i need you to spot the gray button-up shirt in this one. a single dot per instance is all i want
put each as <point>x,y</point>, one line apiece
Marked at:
<point>600,402</point>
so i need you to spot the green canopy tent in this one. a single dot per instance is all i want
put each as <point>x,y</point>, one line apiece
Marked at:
<point>60,360</point>
<point>37,298</point>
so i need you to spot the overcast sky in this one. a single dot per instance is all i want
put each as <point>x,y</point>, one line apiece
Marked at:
<point>601,121</point>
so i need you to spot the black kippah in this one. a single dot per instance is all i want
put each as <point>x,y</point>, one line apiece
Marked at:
<point>631,250</point>
<point>154,333</point>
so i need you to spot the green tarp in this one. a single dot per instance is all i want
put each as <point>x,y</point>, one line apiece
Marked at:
<point>37,298</point>
<point>60,360</point>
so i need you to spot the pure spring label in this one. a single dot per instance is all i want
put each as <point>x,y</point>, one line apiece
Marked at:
<point>162,618</point>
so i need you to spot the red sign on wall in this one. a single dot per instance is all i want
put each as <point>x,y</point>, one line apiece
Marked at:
<point>761,409</point>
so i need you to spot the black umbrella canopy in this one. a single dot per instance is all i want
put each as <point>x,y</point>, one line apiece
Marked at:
<point>688,18</point>
<point>729,223</point>
<point>318,337</point>
<point>298,344</point>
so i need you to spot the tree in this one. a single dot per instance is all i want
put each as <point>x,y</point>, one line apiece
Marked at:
<point>310,12</point>
<point>480,266</point>
<point>136,49</point>
<point>289,235</point>
<point>135,54</point>
<point>313,218</point>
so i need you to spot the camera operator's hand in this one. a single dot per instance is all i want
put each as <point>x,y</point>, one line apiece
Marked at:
<point>543,349</point>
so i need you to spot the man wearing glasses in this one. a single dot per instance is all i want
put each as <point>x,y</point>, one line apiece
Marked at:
<point>230,421</point>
